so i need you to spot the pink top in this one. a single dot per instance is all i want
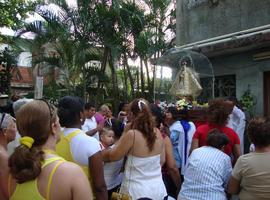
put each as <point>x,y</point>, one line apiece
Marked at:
<point>99,118</point>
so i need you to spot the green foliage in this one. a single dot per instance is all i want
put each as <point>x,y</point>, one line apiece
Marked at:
<point>13,11</point>
<point>8,62</point>
<point>248,102</point>
<point>97,30</point>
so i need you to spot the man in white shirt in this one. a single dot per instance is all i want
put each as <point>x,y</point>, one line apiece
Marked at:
<point>90,125</point>
<point>237,122</point>
<point>75,146</point>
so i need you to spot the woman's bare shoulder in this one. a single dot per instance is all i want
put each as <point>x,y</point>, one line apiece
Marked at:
<point>69,169</point>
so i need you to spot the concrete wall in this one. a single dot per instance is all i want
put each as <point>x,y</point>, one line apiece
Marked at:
<point>247,71</point>
<point>206,21</point>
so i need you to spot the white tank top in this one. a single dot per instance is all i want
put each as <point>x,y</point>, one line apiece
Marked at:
<point>142,178</point>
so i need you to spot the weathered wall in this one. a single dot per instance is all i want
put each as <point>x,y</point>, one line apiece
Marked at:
<point>247,72</point>
<point>205,20</point>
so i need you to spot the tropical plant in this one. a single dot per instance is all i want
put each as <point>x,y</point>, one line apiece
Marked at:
<point>111,32</point>
<point>248,102</point>
<point>58,49</point>
<point>14,11</point>
<point>7,63</point>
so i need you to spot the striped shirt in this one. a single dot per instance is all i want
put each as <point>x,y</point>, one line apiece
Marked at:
<point>207,175</point>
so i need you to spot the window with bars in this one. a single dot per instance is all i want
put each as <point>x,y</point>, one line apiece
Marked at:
<point>224,86</point>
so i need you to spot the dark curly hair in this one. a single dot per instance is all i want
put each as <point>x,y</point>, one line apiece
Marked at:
<point>259,132</point>
<point>218,112</point>
<point>216,139</point>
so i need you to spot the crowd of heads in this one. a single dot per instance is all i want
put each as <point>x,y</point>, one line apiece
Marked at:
<point>72,111</point>
<point>41,121</point>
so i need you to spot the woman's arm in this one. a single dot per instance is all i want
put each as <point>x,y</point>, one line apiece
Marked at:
<point>121,149</point>
<point>233,186</point>
<point>4,174</point>
<point>170,163</point>
<point>236,152</point>
<point>194,145</point>
<point>97,175</point>
<point>163,155</point>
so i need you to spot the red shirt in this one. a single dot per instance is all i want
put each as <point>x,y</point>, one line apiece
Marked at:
<point>203,130</point>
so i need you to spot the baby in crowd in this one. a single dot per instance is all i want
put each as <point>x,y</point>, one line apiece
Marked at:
<point>112,170</point>
<point>106,137</point>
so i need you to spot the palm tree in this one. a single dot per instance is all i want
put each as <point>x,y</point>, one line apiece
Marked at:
<point>60,44</point>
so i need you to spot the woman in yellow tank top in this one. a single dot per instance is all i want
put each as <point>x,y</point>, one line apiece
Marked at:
<point>36,172</point>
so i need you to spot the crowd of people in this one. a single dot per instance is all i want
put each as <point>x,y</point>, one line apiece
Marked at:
<point>145,151</point>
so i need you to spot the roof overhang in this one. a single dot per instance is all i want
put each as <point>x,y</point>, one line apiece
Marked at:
<point>255,38</point>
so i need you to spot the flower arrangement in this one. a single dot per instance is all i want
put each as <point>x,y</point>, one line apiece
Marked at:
<point>185,104</point>
<point>182,104</point>
<point>200,106</point>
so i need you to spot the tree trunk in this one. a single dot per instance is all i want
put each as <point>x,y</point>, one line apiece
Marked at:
<point>161,81</point>
<point>149,85</point>
<point>129,76</point>
<point>125,84</point>
<point>84,84</point>
<point>142,78</point>
<point>138,82</point>
<point>103,68</point>
<point>153,81</point>
<point>114,81</point>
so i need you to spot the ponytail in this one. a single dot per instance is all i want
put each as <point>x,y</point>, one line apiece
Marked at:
<point>34,121</point>
<point>25,163</point>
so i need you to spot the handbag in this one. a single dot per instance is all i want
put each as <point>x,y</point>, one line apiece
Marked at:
<point>119,195</point>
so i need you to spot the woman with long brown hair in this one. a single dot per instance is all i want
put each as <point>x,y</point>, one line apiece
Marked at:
<point>35,171</point>
<point>144,148</point>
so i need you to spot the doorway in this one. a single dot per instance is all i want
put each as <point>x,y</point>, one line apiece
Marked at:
<point>266,84</point>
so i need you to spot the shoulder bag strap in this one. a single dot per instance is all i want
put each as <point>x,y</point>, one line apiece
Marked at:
<point>131,159</point>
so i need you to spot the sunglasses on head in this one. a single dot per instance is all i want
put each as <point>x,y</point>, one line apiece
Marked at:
<point>50,107</point>
<point>2,119</point>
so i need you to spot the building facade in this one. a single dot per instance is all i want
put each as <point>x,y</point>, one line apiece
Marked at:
<point>235,36</point>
